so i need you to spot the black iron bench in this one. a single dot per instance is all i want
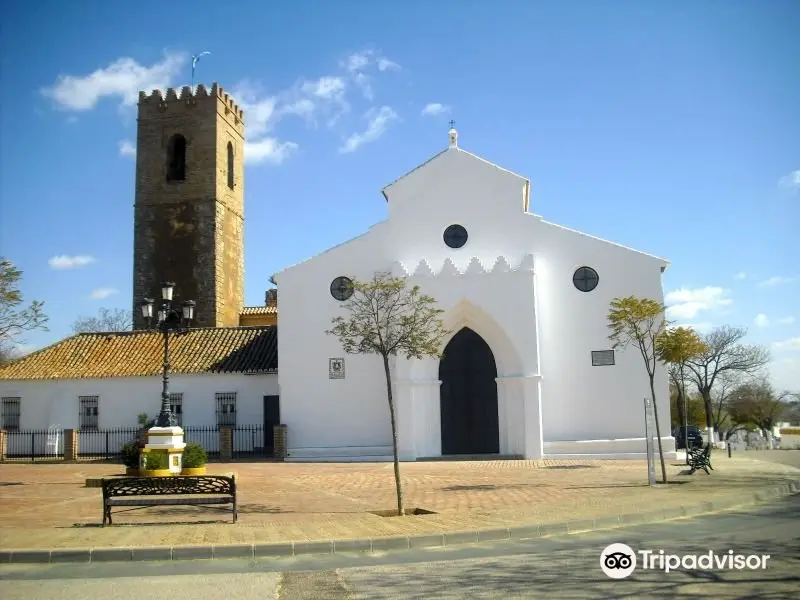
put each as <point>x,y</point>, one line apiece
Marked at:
<point>700,458</point>
<point>142,492</point>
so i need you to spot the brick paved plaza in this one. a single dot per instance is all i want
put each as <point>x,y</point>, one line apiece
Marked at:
<point>47,505</point>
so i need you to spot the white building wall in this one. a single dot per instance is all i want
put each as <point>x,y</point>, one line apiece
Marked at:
<point>121,400</point>
<point>512,284</point>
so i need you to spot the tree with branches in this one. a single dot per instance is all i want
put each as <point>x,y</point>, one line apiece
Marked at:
<point>756,402</point>
<point>674,347</point>
<point>640,322</point>
<point>105,321</point>
<point>15,319</point>
<point>388,318</point>
<point>724,355</point>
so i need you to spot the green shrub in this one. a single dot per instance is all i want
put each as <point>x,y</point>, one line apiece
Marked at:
<point>194,455</point>
<point>130,454</point>
<point>156,460</point>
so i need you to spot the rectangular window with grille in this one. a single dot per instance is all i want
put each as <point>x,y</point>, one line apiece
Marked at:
<point>602,358</point>
<point>176,407</point>
<point>89,411</point>
<point>10,415</point>
<point>226,408</point>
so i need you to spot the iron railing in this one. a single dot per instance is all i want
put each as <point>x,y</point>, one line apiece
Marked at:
<point>105,443</point>
<point>35,444</point>
<point>206,436</point>
<point>248,442</point>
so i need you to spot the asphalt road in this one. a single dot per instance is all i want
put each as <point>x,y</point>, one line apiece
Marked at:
<point>559,567</point>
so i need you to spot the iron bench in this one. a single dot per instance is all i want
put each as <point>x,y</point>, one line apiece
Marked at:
<point>700,458</point>
<point>142,492</point>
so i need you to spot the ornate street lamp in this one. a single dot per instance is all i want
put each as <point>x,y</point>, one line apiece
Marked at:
<point>169,319</point>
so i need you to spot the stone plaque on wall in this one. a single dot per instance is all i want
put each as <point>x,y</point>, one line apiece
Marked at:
<point>335,368</point>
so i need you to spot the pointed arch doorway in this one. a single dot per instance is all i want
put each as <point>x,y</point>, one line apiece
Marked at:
<point>468,396</point>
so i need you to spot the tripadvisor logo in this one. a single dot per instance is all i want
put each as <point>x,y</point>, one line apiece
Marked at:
<point>618,561</point>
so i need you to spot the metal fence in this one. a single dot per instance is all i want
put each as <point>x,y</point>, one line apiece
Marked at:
<point>36,444</point>
<point>206,436</point>
<point>248,441</point>
<point>105,443</point>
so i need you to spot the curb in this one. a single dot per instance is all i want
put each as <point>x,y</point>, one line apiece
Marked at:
<point>288,549</point>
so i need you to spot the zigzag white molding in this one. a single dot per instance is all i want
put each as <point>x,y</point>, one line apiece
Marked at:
<point>475,267</point>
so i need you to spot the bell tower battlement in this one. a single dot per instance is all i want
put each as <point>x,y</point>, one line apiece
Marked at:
<point>189,207</point>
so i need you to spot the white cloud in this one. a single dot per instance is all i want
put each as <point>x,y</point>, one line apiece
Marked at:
<point>785,373</point>
<point>268,150</point>
<point>103,293</point>
<point>358,63</point>
<point>761,320</point>
<point>701,327</point>
<point>790,344</point>
<point>123,78</point>
<point>686,303</point>
<point>379,121</point>
<point>64,262</point>
<point>126,148</point>
<point>773,281</point>
<point>786,321</point>
<point>791,181</point>
<point>741,275</point>
<point>384,64</point>
<point>434,109</point>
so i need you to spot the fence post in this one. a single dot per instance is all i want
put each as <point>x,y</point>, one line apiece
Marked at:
<point>226,442</point>
<point>280,441</point>
<point>71,444</point>
<point>3,445</point>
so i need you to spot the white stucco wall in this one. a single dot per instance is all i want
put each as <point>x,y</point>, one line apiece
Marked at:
<point>121,400</point>
<point>511,283</point>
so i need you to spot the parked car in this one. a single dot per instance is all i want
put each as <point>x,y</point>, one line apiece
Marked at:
<point>692,433</point>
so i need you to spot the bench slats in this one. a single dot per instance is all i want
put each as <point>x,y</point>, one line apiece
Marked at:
<point>167,501</point>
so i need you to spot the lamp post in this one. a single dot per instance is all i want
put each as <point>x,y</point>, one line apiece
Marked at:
<point>169,319</point>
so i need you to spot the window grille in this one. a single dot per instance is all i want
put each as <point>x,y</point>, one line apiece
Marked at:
<point>602,358</point>
<point>226,408</point>
<point>89,412</point>
<point>11,413</point>
<point>176,407</point>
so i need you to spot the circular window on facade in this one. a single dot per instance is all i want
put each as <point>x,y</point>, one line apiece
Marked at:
<point>342,288</point>
<point>455,236</point>
<point>585,279</point>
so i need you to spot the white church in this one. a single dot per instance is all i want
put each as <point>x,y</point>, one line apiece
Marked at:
<point>527,371</point>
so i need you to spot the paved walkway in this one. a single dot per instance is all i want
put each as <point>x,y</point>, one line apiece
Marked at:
<point>47,506</point>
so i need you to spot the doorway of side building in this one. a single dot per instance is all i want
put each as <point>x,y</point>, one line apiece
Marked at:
<point>272,417</point>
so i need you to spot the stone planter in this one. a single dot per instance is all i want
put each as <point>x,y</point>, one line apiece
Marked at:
<point>155,473</point>
<point>194,470</point>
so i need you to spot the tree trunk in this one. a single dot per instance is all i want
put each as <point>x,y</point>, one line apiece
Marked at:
<point>706,393</point>
<point>392,416</point>
<point>658,431</point>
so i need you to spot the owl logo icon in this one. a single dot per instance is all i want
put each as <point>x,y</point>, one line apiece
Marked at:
<point>618,561</point>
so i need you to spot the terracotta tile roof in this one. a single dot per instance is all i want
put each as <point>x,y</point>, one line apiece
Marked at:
<point>259,310</point>
<point>140,354</point>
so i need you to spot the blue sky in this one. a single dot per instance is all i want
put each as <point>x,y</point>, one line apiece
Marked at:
<point>670,127</point>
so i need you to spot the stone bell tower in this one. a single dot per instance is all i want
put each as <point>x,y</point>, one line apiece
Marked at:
<point>189,209</point>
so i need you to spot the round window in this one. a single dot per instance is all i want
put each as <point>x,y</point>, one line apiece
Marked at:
<point>455,236</point>
<point>342,288</point>
<point>585,279</point>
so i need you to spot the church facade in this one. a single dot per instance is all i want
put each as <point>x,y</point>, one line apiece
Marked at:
<point>527,370</point>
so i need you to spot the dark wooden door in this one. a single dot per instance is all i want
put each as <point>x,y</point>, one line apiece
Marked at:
<point>272,417</point>
<point>468,396</point>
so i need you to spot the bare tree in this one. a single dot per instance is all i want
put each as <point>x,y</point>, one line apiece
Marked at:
<point>105,321</point>
<point>388,319</point>
<point>724,354</point>
<point>15,320</point>
<point>726,383</point>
